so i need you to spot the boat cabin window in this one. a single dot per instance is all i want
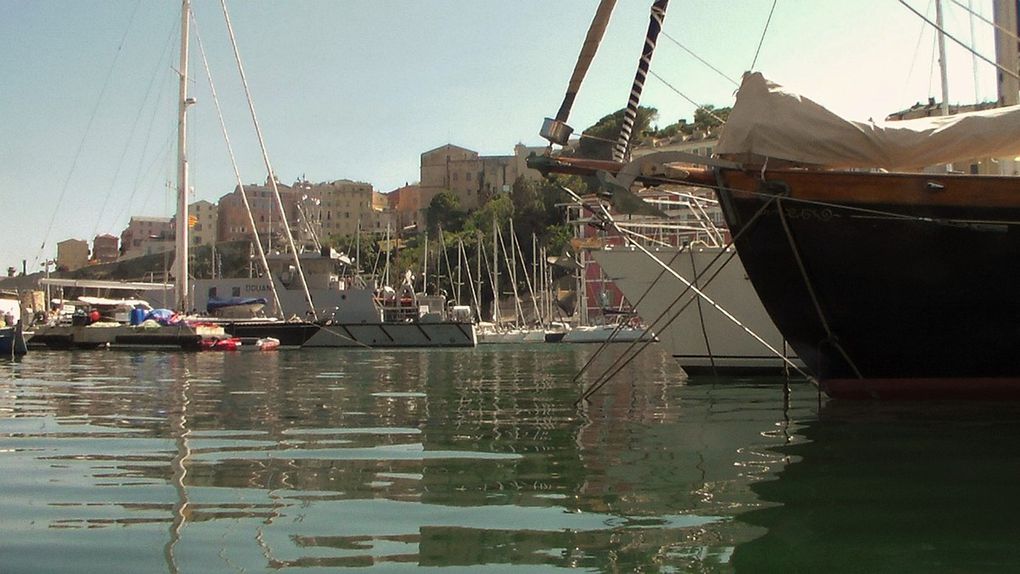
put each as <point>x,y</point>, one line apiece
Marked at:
<point>235,291</point>
<point>212,292</point>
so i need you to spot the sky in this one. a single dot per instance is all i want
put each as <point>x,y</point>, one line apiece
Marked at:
<point>359,89</point>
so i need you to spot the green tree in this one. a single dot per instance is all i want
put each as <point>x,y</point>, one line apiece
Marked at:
<point>500,209</point>
<point>705,118</point>
<point>598,140</point>
<point>444,212</point>
<point>708,117</point>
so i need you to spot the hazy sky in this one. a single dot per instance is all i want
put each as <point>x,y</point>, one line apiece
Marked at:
<point>358,89</point>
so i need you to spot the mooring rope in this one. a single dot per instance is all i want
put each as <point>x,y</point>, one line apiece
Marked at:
<point>620,363</point>
<point>830,336</point>
<point>701,315</point>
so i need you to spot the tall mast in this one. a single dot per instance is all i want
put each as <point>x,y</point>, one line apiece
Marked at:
<point>357,251</point>
<point>495,271</point>
<point>478,262</point>
<point>1007,54</point>
<point>943,65</point>
<point>386,270</point>
<point>181,261</point>
<point>425,266</point>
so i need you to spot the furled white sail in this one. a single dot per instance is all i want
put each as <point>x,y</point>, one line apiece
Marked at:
<point>768,121</point>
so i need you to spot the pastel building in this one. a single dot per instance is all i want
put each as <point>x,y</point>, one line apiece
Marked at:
<point>72,254</point>
<point>105,248</point>
<point>145,236</point>
<point>233,223</point>
<point>203,217</point>
<point>473,178</point>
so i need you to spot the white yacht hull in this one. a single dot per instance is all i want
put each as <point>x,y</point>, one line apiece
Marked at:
<point>701,337</point>
<point>606,333</point>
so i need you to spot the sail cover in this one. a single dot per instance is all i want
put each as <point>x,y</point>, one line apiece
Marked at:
<point>771,122</point>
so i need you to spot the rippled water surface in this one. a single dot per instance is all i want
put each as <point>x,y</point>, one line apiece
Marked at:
<point>477,460</point>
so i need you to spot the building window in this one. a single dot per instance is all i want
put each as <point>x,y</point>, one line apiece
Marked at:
<point>467,176</point>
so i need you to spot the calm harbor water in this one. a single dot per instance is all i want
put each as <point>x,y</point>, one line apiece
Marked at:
<point>477,460</point>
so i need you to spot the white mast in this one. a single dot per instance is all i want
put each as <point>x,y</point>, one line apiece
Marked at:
<point>942,57</point>
<point>943,64</point>
<point>495,271</point>
<point>1006,52</point>
<point>478,263</point>
<point>181,261</point>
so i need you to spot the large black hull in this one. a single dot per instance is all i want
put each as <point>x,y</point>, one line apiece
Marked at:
<point>879,292</point>
<point>289,333</point>
<point>12,342</point>
<point>117,337</point>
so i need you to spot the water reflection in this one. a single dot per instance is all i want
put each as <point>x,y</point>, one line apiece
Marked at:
<point>893,487</point>
<point>322,458</point>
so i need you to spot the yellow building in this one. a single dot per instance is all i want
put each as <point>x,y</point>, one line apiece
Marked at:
<point>473,178</point>
<point>340,207</point>
<point>203,217</point>
<point>145,236</point>
<point>72,254</point>
<point>105,248</point>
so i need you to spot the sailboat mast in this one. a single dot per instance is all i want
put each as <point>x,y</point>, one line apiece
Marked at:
<point>181,261</point>
<point>495,271</point>
<point>425,266</point>
<point>942,57</point>
<point>478,262</point>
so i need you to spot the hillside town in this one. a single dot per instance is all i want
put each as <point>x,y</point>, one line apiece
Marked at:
<point>315,211</point>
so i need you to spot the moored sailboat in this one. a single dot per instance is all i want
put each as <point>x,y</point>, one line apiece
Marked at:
<point>887,281</point>
<point>886,284</point>
<point>103,329</point>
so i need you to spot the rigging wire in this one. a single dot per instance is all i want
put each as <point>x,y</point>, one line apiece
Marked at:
<point>134,126</point>
<point>140,168</point>
<point>631,353</point>
<point>942,30</point>
<point>88,128</point>
<point>647,331</point>
<point>684,96</point>
<point>973,58</point>
<point>623,360</point>
<point>237,173</point>
<point>913,59</point>
<point>702,60</point>
<point>265,158</point>
<point>763,32</point>
<point>163,158</point>
<point>1009,33</point>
